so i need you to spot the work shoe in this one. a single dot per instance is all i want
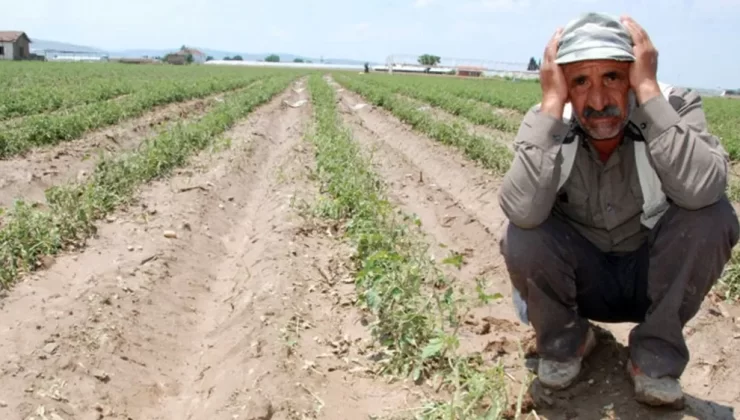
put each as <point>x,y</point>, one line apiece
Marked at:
<point>665,391</point>
<point>560,375</point>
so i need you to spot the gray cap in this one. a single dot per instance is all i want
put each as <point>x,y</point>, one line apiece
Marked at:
<point>594,36</point>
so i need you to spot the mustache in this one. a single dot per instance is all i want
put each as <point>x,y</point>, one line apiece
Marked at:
<point>608,111</point>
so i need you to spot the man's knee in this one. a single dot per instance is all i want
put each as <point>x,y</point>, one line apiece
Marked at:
<point>714,226</point>
<point>700,242</point>
<point>525,250</point>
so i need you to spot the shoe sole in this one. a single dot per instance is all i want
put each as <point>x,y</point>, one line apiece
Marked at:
<point>677,404</point>
<point>589,346</point>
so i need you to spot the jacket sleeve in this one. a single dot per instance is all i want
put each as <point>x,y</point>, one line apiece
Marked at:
<point>691,162</point>
<point>530,186</point>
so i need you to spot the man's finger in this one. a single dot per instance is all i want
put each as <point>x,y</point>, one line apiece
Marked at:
<point>638,33</point>
<point>552,46</point>
<point>640,30</point>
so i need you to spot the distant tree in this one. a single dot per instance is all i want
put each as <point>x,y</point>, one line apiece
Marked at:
<point>272,58</point>
<point>429,60</point>
<point>227,58</point>
<point>533,65</point>
<point>189,58</point>
<point>309,61</point>
<point>209,58</point>
<point>237,58</point>
<point>298,60</point>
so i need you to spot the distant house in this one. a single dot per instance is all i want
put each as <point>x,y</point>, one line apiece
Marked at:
<point>180,56</point>
<point>470,71</point>
<point>14,45</point>
<point>198,56</point>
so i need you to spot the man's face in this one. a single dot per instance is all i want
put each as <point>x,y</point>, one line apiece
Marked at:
<point>599,93</point>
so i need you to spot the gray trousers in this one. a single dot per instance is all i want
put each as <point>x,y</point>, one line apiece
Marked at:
<point>564,280</point>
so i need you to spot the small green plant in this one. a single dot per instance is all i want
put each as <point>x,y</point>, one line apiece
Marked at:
<point>455,259</point>
<point>483,297</point>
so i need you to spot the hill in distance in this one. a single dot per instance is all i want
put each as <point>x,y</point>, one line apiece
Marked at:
<point>42,44</point>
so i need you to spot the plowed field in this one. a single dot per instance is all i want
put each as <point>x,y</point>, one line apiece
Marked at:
<point>227,243</point>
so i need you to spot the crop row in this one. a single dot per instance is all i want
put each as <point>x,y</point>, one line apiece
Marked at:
<point>492,155</point>
<point>439,97</point>
<point>39,99</point>
<point>46,129</point>
<point>416,310</point>
<point>19,75</point>
<point>519,96</point>
<point>43,93</point>
<point>30,232</point>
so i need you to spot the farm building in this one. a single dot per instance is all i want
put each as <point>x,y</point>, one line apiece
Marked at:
<point>65,55</point>
<point>14,45</point>
<point>198,56</point>
<point>470,71</point>
<point>180,56</point>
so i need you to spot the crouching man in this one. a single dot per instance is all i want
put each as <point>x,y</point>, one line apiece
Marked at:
<point>616,206</point>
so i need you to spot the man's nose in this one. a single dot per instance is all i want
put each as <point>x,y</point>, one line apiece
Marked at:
<point>598,99</point>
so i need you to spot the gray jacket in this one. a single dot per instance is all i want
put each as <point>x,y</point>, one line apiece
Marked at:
<point>603,201</point>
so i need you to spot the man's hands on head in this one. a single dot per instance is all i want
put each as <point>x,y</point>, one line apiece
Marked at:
<point>552,80</point>
<point>644,70</point>
<point>643,75</point>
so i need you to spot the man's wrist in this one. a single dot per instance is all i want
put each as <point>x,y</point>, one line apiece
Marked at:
<point>647,91</point>
<point>554,108</point>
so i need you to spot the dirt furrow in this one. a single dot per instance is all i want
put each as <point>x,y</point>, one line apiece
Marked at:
<point>472,186</point>
<point>456,202</point>
<point>453,227</point>
<point>115,330</point>
<point>214,298</point>
<point>27,177</point>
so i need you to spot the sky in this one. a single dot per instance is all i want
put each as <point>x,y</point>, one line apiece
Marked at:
<point>698,40</point>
